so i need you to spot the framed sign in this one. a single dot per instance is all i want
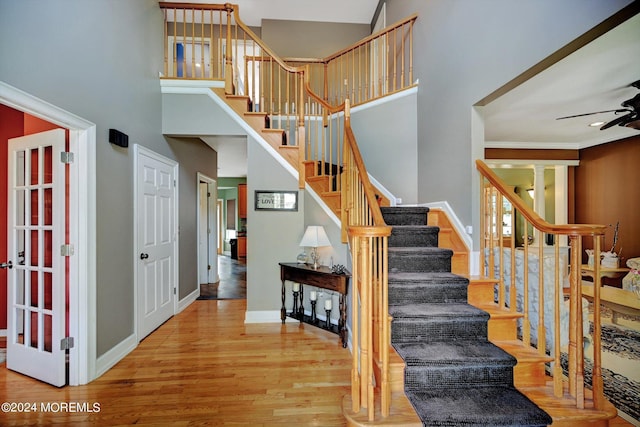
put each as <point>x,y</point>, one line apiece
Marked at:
<point>276,200</point>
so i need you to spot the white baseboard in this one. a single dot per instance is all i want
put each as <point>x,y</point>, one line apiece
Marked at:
<point>188,300</point>
<point>116,354</point>
<point>264,316</point>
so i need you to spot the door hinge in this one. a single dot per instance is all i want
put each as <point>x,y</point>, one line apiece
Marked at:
<point>66,343</point>
<point>208,267</point>
<point>66,157</point>
<point>66,250</point>
<point>208,194</point>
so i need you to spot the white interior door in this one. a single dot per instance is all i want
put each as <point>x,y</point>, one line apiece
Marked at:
<point>156,239</point>
<point>36,268</point>
<point>203,233</point>
<point>207,229</point>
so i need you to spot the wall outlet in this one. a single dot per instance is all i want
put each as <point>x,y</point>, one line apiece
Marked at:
<point>469,229</point>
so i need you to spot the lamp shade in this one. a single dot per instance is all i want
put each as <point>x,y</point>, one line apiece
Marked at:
<point>314,237</point>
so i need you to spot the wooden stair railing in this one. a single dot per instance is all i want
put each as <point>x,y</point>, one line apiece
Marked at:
<point>282,103</point>
<point>557,265</point>
<point>367,233</point>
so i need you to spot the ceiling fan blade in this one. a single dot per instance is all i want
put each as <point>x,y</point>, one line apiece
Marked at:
<point>617,121</point>
<point>595,112</point>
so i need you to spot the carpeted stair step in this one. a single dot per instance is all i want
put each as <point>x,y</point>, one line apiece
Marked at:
<point>454,365</point>
<point>428,322</point>
<point>418,287</point>
<point>425,259</point>
<point>395,215</point>
<point>414,235</point>
<point>477,407</point>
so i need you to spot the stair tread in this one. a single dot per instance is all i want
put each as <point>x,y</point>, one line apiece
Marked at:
<point>426,277</point>
<point>521,352</point>
<point>429,310</point>
<point>563,408</point>
<point>420,249</point>
<point>497,312</point>
<point>453,353</point>
<point>477,406</point>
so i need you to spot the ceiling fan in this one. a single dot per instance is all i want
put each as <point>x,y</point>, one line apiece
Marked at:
<point>631,111</point>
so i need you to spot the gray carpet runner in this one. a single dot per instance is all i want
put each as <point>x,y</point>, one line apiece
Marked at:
<point>453,376</point>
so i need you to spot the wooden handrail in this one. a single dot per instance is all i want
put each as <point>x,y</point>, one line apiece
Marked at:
<point>372,37</point>
<point>533,217</point>
<point>368,187</point>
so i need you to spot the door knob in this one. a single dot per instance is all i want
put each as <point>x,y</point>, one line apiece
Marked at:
<point>144,256</point>
<point>7,264</point>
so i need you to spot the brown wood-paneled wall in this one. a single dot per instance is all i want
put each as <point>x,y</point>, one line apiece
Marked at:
<point>607,190</point>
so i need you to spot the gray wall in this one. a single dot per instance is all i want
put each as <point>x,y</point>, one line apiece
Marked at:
<point>99,60</point>
<point>464,50</point>
<point>303,39</point>
<point>192,115</point>
<point>194,156</point>
<point>388,140</point>
<point>272,236</point>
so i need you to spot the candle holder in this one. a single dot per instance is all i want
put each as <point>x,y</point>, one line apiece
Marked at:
<point>328,322</point>
<point>294,312</point>
<point>314,320</point>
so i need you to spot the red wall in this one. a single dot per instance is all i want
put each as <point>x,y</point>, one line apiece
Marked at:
<point>13,124</point>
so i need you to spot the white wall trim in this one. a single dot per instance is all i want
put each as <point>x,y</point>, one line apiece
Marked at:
<point>82,212</point>
<point>530,163</point>
<point>188,300</point>
<point>457,224</point>
<point>116,354</point>
<point>387,98</point>
<point>265,316</point>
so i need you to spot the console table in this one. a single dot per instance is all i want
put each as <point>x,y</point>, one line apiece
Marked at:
<point>323,278</point>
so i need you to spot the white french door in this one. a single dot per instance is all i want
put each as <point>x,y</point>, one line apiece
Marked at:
<point>156,239</point>
<point>36,268</point>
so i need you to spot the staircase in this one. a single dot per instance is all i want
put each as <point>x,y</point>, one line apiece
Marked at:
<point>444,325</point>
<point>453,375</point>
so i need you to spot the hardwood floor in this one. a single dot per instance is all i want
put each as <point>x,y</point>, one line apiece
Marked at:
<point>205,366</point>
<point>233,280</point>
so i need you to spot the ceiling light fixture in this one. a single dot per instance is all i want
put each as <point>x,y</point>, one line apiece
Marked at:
<point>596,124</point>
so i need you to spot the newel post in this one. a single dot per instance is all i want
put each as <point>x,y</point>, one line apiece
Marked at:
<point>228,64</point>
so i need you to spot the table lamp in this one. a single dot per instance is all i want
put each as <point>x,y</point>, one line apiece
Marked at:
<point>314,237</point>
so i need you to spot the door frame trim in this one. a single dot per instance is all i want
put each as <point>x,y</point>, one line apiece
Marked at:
<point>212,223</point>
<point>82,214</point>
<point>139,150</point>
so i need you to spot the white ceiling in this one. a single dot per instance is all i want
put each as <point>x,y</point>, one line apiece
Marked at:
<point>252,12</point>
<point>594,78</point>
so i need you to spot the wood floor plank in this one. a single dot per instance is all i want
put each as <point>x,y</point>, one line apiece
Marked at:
<point>205,366</point>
